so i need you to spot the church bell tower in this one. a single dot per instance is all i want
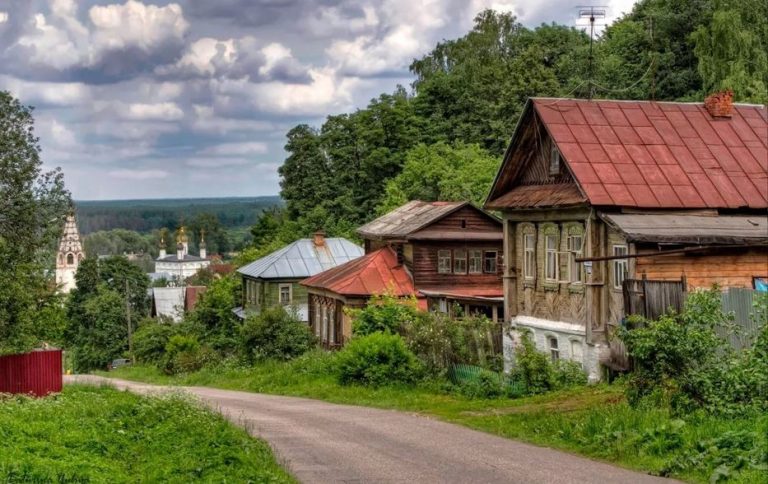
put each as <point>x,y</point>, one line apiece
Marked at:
<point>69,256</point>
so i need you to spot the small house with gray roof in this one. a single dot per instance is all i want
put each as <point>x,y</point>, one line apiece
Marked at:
<point>274,279</point>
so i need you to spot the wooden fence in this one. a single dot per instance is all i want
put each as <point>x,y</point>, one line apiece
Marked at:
<point>652,299</point>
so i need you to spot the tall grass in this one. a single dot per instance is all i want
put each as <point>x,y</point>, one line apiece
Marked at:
<point>89,434</point>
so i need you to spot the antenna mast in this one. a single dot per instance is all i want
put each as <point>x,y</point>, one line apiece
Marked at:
<point>592,13</point>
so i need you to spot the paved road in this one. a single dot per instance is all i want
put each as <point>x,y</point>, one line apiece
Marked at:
<point>322,442</point>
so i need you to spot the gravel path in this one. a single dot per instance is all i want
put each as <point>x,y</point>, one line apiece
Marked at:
<point>322,442</point>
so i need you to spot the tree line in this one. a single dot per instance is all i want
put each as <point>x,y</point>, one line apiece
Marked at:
<point>443,138</point>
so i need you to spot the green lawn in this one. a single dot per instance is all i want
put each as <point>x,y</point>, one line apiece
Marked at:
<point>90,434</point>
<point>593,421</point>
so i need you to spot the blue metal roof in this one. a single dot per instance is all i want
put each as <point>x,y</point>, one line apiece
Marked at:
<point>302,259</point>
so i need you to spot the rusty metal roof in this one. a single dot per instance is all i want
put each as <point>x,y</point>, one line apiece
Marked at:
<point>302,258</point>
<point>691,229</point>
<point>662,155</point>
<point>539,196</point>
<point>408,218</point>
<point>375,273</point>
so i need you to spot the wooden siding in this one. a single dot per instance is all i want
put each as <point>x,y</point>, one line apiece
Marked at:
<point>733,268</point>
<point>269,293</point>
<point>425,265</point>
<point>474,220</point>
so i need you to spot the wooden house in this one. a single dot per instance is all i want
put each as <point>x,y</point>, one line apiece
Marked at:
<point>593,193</point>
<point>447,254</point>
<point>274,279</point>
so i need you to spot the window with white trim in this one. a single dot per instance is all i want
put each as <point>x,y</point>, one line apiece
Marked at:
<point>460,261</point>
<point>620,266</point>
<point>489,261</point>
<point>475,261</point>
<point>444,261</point>
<point>551,258</point>
<point>285,294</point>
<point>554,349</point>
<point>576,269</point>
<point>529,256</point>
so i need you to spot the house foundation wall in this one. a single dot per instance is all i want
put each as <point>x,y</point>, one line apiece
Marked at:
<point>571,340</point>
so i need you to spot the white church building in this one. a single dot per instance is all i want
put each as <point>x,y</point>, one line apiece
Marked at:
<point>70,255</point>
<point>181,265</point>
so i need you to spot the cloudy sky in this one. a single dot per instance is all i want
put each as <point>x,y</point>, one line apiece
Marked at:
<point>192,98</point>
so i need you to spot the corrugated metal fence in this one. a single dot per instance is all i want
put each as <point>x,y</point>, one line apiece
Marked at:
<point>741,303</point>
<point>36,373</point>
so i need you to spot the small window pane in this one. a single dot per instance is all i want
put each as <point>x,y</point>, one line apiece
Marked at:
<point>554,350</point>
<point>554,161</point>
<point>444,261</point>
<point>490,262</point>
<point>285,294</point>
<point>620,266</point>
<point>529,261</point>
<point>460,261</point>
<point>475,261</point>
<point>550,264</point>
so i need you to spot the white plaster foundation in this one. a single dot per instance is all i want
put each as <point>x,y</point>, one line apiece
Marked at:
<point>570,337</point>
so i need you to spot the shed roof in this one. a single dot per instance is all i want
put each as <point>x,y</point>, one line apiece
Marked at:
<point>691,229</point>
<point>375,273</point>
<point>303,258</point>
<point>657,154</point>
<point>408,218</point>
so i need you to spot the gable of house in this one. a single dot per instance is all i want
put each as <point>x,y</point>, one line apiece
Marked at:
<point>636,154</point>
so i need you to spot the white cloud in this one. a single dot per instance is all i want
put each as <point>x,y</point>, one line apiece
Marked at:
<point>50,93</point>
<point>164,111</point>
<point>236,149</point>
<point>134,24</point>
<point>3,17</point>
<point>138,174</point>
<point>61,41</point>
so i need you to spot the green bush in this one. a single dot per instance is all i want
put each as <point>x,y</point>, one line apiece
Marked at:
<point>680,361</point>
<point>385,313</point>
<point>567,373</point>
<point>275,334</point>
<point>377,359</point>
<point>184,354</point>
<point>487,384</point>
<point>440,341</point>
<point>150,340</point>
<point>532,367</point>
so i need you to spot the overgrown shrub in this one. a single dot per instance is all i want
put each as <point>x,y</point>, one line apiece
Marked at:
<point>150,340</point>
<point>680,361</point>
<point>440,341</point>
<point>567,373</point>
<point>276,334</point>
<point>487,384</point>
<point>184,354</point>
<point>532,366</point>
<point>377,359</point>
<point>385,313</point>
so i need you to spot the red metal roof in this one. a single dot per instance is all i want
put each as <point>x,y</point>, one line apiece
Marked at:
<point>661,155</point>
<point>374,273</point>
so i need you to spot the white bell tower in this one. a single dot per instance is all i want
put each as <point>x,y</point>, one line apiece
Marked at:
<point>69,256</point>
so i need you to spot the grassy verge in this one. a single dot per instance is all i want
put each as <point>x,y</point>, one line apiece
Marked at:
<point>593,421</point>
<point>89,434</point>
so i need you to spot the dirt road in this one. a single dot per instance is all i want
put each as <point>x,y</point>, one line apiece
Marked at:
<point>321,442</point>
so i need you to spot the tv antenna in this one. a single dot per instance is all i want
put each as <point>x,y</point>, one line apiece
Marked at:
<point>591,12</point>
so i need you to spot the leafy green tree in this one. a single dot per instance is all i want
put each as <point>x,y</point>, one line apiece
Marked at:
<point>216,237</point>
<point>268,225</point>
<point>32,207</point>
<point>101,334</point>
<point>442,172</point>
<point>275,334</point>
<point>212,318</point>
<point>732,50</point>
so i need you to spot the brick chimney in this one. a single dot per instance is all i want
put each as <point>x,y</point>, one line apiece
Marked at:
<point>319,238</point>
<point>720,104</point>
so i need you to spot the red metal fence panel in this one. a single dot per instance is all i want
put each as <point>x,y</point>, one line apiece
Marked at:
<point>36,373</point>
